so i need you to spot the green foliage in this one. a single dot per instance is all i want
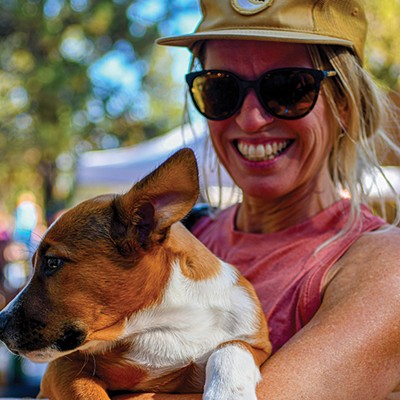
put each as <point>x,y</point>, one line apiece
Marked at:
<point>52,105</point>
<point>383,44</point>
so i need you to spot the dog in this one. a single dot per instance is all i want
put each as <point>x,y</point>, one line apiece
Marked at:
<point>123,298</point>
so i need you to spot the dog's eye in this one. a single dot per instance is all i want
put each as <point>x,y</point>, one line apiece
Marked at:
<point>52,264</point>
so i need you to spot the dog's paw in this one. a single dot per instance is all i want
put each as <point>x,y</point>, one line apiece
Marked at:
<point>231,374</point>
<point>238,393</point>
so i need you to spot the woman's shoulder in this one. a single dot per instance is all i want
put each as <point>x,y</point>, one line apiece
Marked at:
<point>371,263</point>
<point>378,247</point>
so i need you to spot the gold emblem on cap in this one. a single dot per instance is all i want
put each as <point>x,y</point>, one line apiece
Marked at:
<point>248,7</point>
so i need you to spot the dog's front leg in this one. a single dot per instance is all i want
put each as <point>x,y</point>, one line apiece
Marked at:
<point>232,372</point>
<point>67,380</point>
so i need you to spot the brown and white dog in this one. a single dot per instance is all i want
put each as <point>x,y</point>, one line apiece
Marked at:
<point>123,298</point>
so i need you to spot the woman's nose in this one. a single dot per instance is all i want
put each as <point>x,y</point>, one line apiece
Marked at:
<point>252,116</point>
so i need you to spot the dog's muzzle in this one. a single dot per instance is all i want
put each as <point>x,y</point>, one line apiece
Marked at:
<point>24,334</point>
<point>20,333</point>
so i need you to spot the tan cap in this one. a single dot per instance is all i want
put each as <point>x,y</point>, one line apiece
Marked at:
<point>340,22</point>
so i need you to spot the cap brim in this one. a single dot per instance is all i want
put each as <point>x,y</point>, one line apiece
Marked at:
<point>252,34</point>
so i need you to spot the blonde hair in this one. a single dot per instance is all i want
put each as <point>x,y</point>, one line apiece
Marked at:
<point>360,109</point>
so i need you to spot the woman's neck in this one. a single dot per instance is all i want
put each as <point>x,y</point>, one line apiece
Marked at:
<point>257,215</point>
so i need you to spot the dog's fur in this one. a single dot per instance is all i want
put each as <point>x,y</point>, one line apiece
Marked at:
<point>123,298</point>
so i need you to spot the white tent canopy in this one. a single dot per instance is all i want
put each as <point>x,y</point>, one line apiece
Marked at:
<point>117,169</point>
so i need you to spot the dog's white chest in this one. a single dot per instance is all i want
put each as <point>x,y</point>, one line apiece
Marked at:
<point>192,320</point>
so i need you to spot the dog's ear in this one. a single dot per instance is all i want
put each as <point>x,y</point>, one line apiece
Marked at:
<point>162,198</point>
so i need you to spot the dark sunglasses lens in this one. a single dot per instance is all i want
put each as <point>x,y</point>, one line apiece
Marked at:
<point>289,94</point>
<point>216,94</point>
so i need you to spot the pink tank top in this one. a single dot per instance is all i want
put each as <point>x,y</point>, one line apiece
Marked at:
<point>283,266</point>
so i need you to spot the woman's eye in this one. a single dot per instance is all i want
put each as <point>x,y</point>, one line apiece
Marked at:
<point>52,264</point>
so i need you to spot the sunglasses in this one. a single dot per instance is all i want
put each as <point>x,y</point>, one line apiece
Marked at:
<point>287,93</point>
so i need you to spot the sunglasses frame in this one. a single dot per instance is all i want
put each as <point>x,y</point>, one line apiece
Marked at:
<point>245,85</point>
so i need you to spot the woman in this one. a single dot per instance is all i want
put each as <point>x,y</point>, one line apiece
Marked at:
<point>291,114</point>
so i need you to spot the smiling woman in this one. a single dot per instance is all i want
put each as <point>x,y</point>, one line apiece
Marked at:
<point>294,123</point>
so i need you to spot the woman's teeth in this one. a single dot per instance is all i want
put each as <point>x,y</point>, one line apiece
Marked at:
<point>262,152</point>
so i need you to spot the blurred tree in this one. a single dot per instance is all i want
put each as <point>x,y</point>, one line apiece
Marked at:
<point>383,44</point>
<point>383,60</point>
<point>78,75</point>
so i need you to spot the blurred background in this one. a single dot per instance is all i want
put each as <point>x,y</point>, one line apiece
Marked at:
<point>89,104</point>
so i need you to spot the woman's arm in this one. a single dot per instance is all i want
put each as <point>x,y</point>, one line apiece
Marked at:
<point>351,348</point>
